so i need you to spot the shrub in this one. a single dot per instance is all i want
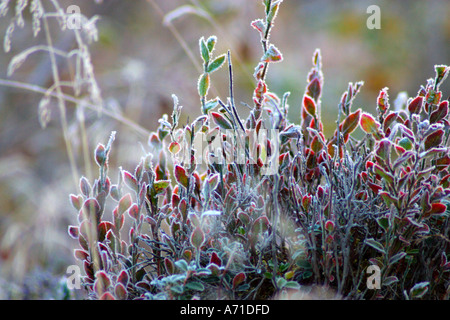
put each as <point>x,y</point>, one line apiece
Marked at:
<point>267,206</point>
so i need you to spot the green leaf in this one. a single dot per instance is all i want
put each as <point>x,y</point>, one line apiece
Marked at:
<point>389,280</point>
<point>292,285</point>
<point>273,11</point>
<point>182,265</point>
<point>174,147</point>
<point>197,237</point>
<point>388,198</point>
<point>397,257</point>
<point>375,244</point>
<point>281,282</point>
<point>211,42</point>
<point>209,105</point>
<point>384,149</point>
<point>161,185</point>
<point>385,175</point>
<point>383,222</point>
<point>216,64</point>
<point>124,203</point>
<point>194,285</point>
<point>177,289</point>
<point>442,72</point>
<point>213,181</point>
<point>76,201</point>
<point>406,143</point>
<point>260,225</point>
<point>203,84</point>
<point>204,50</point>
<point>419,290</point>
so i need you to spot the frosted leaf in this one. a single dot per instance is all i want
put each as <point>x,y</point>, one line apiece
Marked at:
<point>17,61</point>
<point>20,6</point>
<point>90,28</point>
<point>4,7</point>
<point>37,11</point>
<point>8,35</point>
<point>183,10</point>
<point>44,111</point>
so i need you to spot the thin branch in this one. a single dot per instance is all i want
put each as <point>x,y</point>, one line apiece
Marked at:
<point>69,98</point>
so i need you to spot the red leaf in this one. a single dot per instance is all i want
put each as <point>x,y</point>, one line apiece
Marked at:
<point>73,232</point>
<point>272,55</point>
<point>351,122</point>
<point>390,118</point>
<point>259,26</point>
<point>309,105</point>
<point>102,282</point>
<point>180,176</point>
<point>436,208</point>
<point>170,268</point>
<point>134,211</point>
<point>130,181</point>
<point>260,90</point>
<point>389,199</point>
<point>120,292</point>
<point>221,121</point>
<point>85,187</point>
<point>329,226</point>
<point>434,139</point>
<point>103,228</point>
<point>374,187</point>
<point>415,106</point>
<point>100,155</point>
<point>215,259</point>
<point>443,162</point>
<point>238,279</point>
<point>314,88</point>
<point>383,101</point>
<point>369,124</point>
<point>123,278</point>
<point>91,206</point>
<point>107,296</point>
<point>440,113</point>
<point>81,254</point>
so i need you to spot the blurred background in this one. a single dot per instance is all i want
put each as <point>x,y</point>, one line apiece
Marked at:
<point>146,51</point>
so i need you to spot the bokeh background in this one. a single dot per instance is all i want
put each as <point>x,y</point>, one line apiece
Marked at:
<point>146,51</point>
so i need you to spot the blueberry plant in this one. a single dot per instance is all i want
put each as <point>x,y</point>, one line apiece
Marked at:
<point>227,207</point>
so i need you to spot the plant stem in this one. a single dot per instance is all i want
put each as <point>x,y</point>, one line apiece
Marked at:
<point>61,104</point>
